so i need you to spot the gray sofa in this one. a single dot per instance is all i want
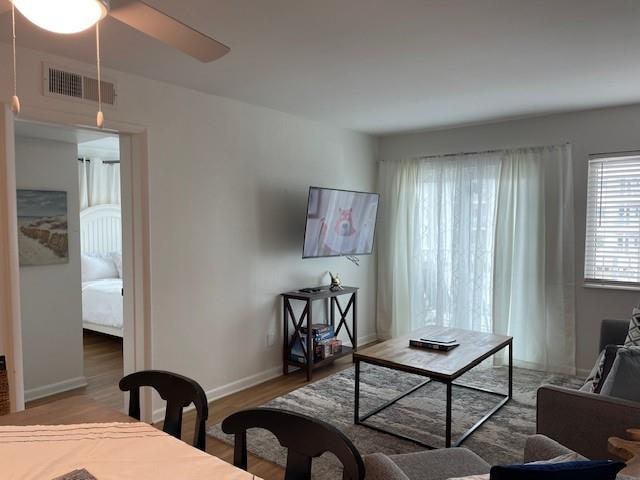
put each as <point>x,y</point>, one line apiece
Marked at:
<point>583,421</point>
<point>452,462</point>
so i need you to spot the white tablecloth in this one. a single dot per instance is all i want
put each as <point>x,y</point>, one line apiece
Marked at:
<point>109,451</point>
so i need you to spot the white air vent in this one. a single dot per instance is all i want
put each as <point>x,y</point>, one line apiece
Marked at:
<point>61,82</point>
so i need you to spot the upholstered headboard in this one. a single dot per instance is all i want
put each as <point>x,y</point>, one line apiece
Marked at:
<point>101,229</point>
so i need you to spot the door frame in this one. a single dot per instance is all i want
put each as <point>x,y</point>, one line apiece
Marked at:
<point>134,152</point>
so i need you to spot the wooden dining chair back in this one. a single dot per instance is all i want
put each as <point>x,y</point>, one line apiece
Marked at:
<point>178,391</point>
<point>304,437</point>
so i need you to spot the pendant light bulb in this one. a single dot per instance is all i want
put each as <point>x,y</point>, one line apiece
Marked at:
<point>15,104</point>
<point>100,115</point>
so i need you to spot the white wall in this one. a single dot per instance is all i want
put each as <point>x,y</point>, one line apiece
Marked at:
<point>604,130</point>
<point>51,301</point>
<point>228,186</point>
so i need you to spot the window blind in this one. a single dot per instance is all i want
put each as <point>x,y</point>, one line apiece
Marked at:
<point>612,250</point>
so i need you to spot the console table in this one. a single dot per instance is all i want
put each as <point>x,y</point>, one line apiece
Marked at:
<point>306,320</point>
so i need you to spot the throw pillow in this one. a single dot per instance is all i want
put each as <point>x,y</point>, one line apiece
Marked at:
<point>595,375</point>
<point>622,381</point>
<point>633,335</point>
<point>589,470</point>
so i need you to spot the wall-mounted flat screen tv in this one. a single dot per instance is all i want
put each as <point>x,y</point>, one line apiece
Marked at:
<point>339,222</point>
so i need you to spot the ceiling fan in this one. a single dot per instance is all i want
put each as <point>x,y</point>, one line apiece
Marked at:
<point>72,16</point>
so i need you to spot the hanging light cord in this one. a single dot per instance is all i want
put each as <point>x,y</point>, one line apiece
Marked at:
<point>15,102</point>
<point>13,30</point>
<point>100,117</point>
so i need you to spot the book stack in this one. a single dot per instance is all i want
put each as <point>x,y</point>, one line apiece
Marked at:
<point>441,342</point>
<point>324,341</point>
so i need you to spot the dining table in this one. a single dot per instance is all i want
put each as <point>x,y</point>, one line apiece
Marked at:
<point>78,438</point>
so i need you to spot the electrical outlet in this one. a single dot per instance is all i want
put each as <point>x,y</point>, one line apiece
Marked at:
<point>271,339</point>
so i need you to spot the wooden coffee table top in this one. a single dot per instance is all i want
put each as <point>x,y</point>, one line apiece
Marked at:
<point>398,355</point>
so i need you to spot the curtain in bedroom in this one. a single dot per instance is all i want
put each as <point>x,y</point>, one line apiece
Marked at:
<point>99,182</point>
<point>484,242</point>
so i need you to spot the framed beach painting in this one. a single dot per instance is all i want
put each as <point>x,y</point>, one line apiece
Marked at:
<point>43,237</point>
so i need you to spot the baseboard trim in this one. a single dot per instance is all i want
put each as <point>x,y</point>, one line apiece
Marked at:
<point>228,389</point>
<point>372,337</point>
<point>54,388</point>
<point>247,382</point>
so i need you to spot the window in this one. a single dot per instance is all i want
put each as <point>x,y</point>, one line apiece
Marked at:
<point>612,253</point>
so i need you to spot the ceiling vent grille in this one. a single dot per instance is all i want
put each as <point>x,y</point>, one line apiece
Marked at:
<point>59,82</point>
<point>65,83</point>
<point>90,90</point>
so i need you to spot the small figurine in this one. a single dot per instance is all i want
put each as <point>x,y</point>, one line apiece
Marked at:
<point>336,283</point>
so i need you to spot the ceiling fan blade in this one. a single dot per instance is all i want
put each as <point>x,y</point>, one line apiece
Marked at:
<point>166,29</point>
<point>5,6</point>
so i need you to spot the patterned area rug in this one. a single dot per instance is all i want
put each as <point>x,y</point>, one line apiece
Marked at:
<point>421,415</point>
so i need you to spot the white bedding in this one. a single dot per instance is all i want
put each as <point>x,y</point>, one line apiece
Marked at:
<point>102,302</point>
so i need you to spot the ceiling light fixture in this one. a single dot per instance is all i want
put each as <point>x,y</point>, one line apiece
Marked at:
<point>63,16</point>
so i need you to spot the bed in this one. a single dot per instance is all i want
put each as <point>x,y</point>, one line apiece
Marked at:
<point>101,249</point>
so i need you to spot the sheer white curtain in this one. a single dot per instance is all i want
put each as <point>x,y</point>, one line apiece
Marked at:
<point>534,277</point>
<point>396,252</point>
<point>99,182</point>
<point>483,242</point>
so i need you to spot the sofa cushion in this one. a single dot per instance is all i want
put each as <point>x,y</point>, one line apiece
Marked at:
<point>589,470</point>
<point>622,381</point>
<point>567,457</point>
<point>609,357</point>
<point>380,467</point>
<point>540,447</point>
<point>440,464</point>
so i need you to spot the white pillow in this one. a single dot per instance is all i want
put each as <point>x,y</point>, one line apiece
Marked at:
<point>95,267</point>
<point>117,260</point>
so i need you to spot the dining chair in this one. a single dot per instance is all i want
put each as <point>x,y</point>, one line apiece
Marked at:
<point>304,437</point>
<point>178,391</point>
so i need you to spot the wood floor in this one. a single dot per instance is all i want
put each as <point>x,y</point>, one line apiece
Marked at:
<point>103,369</point>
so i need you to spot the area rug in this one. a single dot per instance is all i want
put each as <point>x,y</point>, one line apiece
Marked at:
<point>421,415</point>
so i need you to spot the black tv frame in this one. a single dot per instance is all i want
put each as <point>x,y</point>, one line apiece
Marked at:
<point>375,225</point>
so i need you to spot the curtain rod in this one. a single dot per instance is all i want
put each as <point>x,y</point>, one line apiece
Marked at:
<point>106,162</point>
<point>622,153</point>
<point>480,152</point>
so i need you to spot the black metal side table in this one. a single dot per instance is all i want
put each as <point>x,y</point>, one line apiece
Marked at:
<point>306,320</point>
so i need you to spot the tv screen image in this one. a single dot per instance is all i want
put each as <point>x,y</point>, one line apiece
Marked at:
<point>339,222</point>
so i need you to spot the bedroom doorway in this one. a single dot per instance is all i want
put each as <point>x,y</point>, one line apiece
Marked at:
<point>101,267</point>
<point>70,240</point>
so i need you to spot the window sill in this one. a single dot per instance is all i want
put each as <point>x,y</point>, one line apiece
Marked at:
<point>613,286</point>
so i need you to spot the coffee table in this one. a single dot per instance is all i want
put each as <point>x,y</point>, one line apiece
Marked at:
<point>440,366</point>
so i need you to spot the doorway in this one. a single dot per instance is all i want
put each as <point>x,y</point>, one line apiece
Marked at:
<point>68,190</point>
